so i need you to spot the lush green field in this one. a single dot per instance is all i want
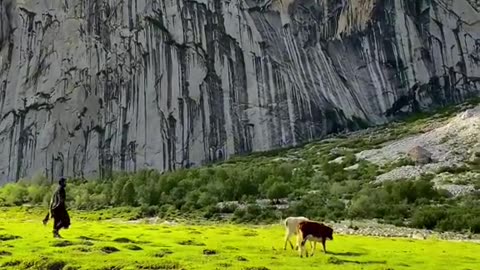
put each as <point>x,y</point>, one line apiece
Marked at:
<point>119,244</point>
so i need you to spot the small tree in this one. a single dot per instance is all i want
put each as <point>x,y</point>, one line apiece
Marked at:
<point>129,193</point>
<point>278,191</point>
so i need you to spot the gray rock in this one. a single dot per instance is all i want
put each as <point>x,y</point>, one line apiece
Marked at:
<point>88,87</point>
<point>420,155</point>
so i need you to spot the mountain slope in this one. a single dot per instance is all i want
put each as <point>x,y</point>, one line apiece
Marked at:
<point>88,87</point>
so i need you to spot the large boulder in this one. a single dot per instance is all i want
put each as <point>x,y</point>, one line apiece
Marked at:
<point>420,155</point>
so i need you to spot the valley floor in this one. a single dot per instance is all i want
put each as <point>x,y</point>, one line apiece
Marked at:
<point>26,244</point>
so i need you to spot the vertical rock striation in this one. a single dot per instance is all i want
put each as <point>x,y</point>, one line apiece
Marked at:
<point>88,87</point>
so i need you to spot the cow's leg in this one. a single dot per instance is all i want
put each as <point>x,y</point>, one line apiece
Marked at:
<point>314,245</point>
<point>288,235</point>
<point>300,245</point>
<point>323,243</point>
<point>304,246</point>
<point>300,251</point>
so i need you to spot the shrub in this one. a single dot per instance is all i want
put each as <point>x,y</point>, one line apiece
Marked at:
<point>427,218</point>
<point>149,210</point>
<point>14,194</point>
<point>278,191</point>
<point>36,193</point>
<point>128,193</point>
<point>474,225</point>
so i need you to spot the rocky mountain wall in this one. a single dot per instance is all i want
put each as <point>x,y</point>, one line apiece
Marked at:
<point>88,87</point>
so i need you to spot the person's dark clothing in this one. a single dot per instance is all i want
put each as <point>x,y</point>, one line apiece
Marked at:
<point>58,211</point>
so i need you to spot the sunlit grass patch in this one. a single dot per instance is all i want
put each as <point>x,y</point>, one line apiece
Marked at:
<point>90,244</point>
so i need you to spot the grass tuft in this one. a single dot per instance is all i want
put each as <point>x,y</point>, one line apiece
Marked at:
<point>8,237</point>
<point>123,240</point>
<point>109,250</point>
<point>133,247</point>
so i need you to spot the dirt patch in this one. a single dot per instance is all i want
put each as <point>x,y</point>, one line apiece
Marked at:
<point>109,250</point>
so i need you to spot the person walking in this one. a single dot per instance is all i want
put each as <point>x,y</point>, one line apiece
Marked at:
<point>58,210</point>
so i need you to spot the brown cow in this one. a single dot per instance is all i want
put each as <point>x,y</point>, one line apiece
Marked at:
<point>315,232</point>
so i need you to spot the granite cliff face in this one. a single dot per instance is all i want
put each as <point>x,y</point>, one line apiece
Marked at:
<point>89,87</point>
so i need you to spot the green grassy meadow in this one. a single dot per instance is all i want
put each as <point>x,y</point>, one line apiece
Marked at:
<point>120,244</point>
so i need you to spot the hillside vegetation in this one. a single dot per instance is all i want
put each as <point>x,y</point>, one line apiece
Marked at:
<point>325,180</point>
<point>117,244</point>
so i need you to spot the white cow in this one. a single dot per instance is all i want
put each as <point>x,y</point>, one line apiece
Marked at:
<point>290,224</point>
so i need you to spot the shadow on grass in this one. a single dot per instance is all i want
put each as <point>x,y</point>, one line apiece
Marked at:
<point>61,243</point>
<point>8,237</point>
<point>335,260</point>
<point>5,253</point>
<point>163,253</point>
<point>109,249</point>
<point>161,265</point>
<point>37,263</point>
<point>123,240</point>
<point>87,238</point>
<point>191,243</point>
<point>350,254</point>
<point>133,247</point>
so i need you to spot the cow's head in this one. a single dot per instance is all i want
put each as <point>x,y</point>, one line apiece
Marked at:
<point>329,233</point>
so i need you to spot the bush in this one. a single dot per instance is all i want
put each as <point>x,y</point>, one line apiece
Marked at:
<point>36,193</point>
<point>474,225</point>
<point>427,218</point>
<point>149,210</point>
<point>254,214</point>
<point>14,194</point>
<point>128,193</point>
<point>278,191</point>
<point>453,218</point>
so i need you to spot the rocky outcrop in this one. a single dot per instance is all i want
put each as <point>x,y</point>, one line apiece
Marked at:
<point>89,87</point>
